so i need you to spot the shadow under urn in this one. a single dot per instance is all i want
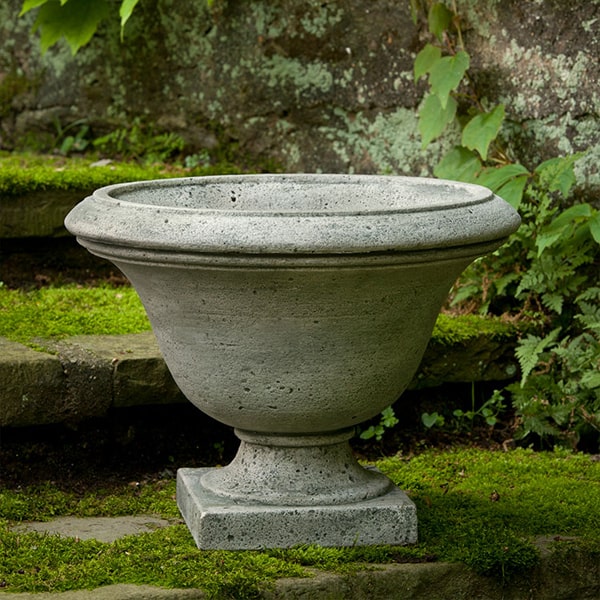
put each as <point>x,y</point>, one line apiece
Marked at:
<point>293,308</point>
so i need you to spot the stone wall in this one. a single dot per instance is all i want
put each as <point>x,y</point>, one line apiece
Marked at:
<point>318,86</point>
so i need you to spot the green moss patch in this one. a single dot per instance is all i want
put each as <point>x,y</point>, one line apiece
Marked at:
<point>484,508</point>
<point>451,329</point>
<point>477,507</point>
<point>22,174</point>
<point>56,313</point>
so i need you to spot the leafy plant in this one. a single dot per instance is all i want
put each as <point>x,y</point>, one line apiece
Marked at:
<point>65,142</point>
<point>488,411</point>
<point>547,270</point>
<point>75,20</point>
<point>140,142</point>
<point>432,419</point>
<point>388,420</point>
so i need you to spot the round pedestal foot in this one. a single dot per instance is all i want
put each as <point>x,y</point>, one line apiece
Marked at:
<point>295,471</point>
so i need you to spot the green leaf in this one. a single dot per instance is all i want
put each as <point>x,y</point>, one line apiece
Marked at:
<point>446,74</point>
<point>557,174</point>
<point>75,20</point>
<point>459,164</point>
<point>529,350</point>
<point>482,129</point>
<point>439,19</point>
<point>554,301</point>
<point>414,11</point>
<point>369,433</point>
<point>495,177</point>
<point>433,119</point>
<point>31,4</point>
<point>388,417</point>
<point>508,182</point>
<point>429,420</point>
<point>559,226</point>
<point>512,191</point>
<point>591,379</point>
<point>125,11</point>
<point>426,58</point>
<point>595,226</point>
<point>566,217</point>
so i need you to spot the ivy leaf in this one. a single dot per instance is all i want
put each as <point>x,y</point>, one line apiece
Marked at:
<point>557,174</point>
<point>125,11</point>
<point>482,129</point>
<point>460,164</point>
<point>433,119</point>
<point>508,182</point>
<point>496,177</point>
<point>512,191</point>
<point>75,20</point>
<point>439,18</point>
<point>426,58</point>
<point>446,74</point>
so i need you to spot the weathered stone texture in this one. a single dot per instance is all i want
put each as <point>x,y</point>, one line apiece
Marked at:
<point>32,386</point>
<point>84,377</point>
<point>316,85</point>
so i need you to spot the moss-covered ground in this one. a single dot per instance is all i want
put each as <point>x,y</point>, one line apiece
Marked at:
<point>475,506</point>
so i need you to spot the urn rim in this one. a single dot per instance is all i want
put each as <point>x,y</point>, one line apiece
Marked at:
<point>293,214</point>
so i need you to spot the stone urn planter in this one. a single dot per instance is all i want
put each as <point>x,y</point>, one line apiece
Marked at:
<point>293,308</point>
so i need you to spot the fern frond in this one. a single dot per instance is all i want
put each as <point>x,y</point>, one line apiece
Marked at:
<point>529,350</point>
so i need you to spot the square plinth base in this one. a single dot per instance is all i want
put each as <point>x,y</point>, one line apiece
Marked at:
<point>219,523</point>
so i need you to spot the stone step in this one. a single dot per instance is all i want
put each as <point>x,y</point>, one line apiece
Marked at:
<point>85,376</point>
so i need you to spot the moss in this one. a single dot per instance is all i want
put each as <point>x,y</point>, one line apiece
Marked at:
<point>486,508</point>
<point>56,313</point>
<point>452,330</point>
<point>477,507</point>
<point>21,174</point>
<point>166,558</point>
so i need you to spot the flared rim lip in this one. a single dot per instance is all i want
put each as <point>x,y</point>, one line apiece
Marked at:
<point>456,214</point>
<point>473,194</point>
